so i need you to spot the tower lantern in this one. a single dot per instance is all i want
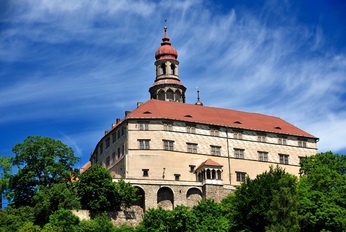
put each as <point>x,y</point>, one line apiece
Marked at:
<point>167,86</point>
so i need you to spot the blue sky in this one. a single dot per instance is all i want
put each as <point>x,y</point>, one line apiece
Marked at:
<point>68,69</point>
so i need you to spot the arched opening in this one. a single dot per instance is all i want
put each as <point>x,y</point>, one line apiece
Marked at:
<point>163,69</point>
<point>170,95</point>
<point>173,69</point>
<point>165,198</point>
<point>193,196</point>
<point>219,177</point>
<point>177,96</point>
<point>141,201</point>
<point>213,174</point>
<point>161,95</point>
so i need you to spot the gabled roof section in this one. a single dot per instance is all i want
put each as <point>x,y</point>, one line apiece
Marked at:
<point>215,116</point>
<point>210,163</point>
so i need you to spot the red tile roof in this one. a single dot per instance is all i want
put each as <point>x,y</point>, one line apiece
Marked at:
<point>156,109</point>
<point>210,162</point>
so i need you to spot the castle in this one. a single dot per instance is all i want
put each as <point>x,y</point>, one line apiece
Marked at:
<point>177,153</point>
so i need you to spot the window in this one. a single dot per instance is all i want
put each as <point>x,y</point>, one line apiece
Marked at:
<point>214,132</point>
<point>143,126</point>
<point>108,142</point>
<point>192,168</point>
<point>144,144</point>
<point>215,150</point>
<point>119,153</point>
<point>145,172</point>
<point>241,176</point>
<point>301,143</point>
<point>108,161</point>
<point>238,134</point>
<point>191,129</point>
<point>176,177</point>
<point>192,147</point>
<point>113,156</point>
<point>167,126</point>
<point>261,137</point>
<point>283,159</point>
<point>172,68</point>
<point>282,140</point>
<point>262,156</point>
<point>168,145</point>
<point>114,137</point>
<point>239,153</point>
<point>118,133</point>
<point>122,130</point>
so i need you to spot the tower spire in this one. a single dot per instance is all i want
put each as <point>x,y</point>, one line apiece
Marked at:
<point>199,103</point>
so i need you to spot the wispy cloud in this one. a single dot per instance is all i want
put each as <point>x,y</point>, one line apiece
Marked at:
<point>81,58</point>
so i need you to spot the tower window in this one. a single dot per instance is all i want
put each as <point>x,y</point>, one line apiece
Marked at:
<point>163,69</point>
<point>172,68</point>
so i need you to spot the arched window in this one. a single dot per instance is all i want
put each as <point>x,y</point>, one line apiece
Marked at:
<point>161,95</point>
<point>170,95</point>
<point>177,96</point>
<point>172,68</point>
<point>163,69</point>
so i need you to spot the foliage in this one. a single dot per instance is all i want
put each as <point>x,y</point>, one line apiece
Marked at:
<point>155,220</point>
<point>11,219</point>
<point>41,162</point>
<point>124,228</point>
<point>322,191</point>
<point>210,216</point>
<point>64,219</point>
<point>99,223</point>
<point>5,174</point>
<point>182,219</point>
<point>49,200</point>
<point>96,189</point>
<point>29,227</point>
<point>268,201</point>
<point>126,193</point>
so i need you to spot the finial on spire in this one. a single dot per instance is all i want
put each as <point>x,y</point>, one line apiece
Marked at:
<point>199,103</point>
<point>165,27</point>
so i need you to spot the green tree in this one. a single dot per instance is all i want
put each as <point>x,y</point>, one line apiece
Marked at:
<point>267,202</point>
<point>155,220</point>
<point>49,200</point>
<point>29,227</point>
<point>96,190</point>
<point>126,193</point>
<point>5,174</point>
<point>210,217</point>
<point>12,219</point>
<point>63,219</point>
<point>322,192</point>
<point>41,162</point>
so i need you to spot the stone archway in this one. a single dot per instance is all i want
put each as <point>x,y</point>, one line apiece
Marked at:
<point>193,196</point>
<point>165,198</point>
<point>141,201</point>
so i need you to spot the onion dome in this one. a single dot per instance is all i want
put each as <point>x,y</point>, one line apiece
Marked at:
<point>166,50</point>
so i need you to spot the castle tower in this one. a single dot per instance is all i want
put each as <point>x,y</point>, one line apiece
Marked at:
<point>167,86</point>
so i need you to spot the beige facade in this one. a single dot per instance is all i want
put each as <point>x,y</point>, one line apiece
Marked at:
<point>139,151</point>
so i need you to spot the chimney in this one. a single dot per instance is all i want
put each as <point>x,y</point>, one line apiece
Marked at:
<point>117,120</point>
<point>139,104</point>
<point>127,112</point>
